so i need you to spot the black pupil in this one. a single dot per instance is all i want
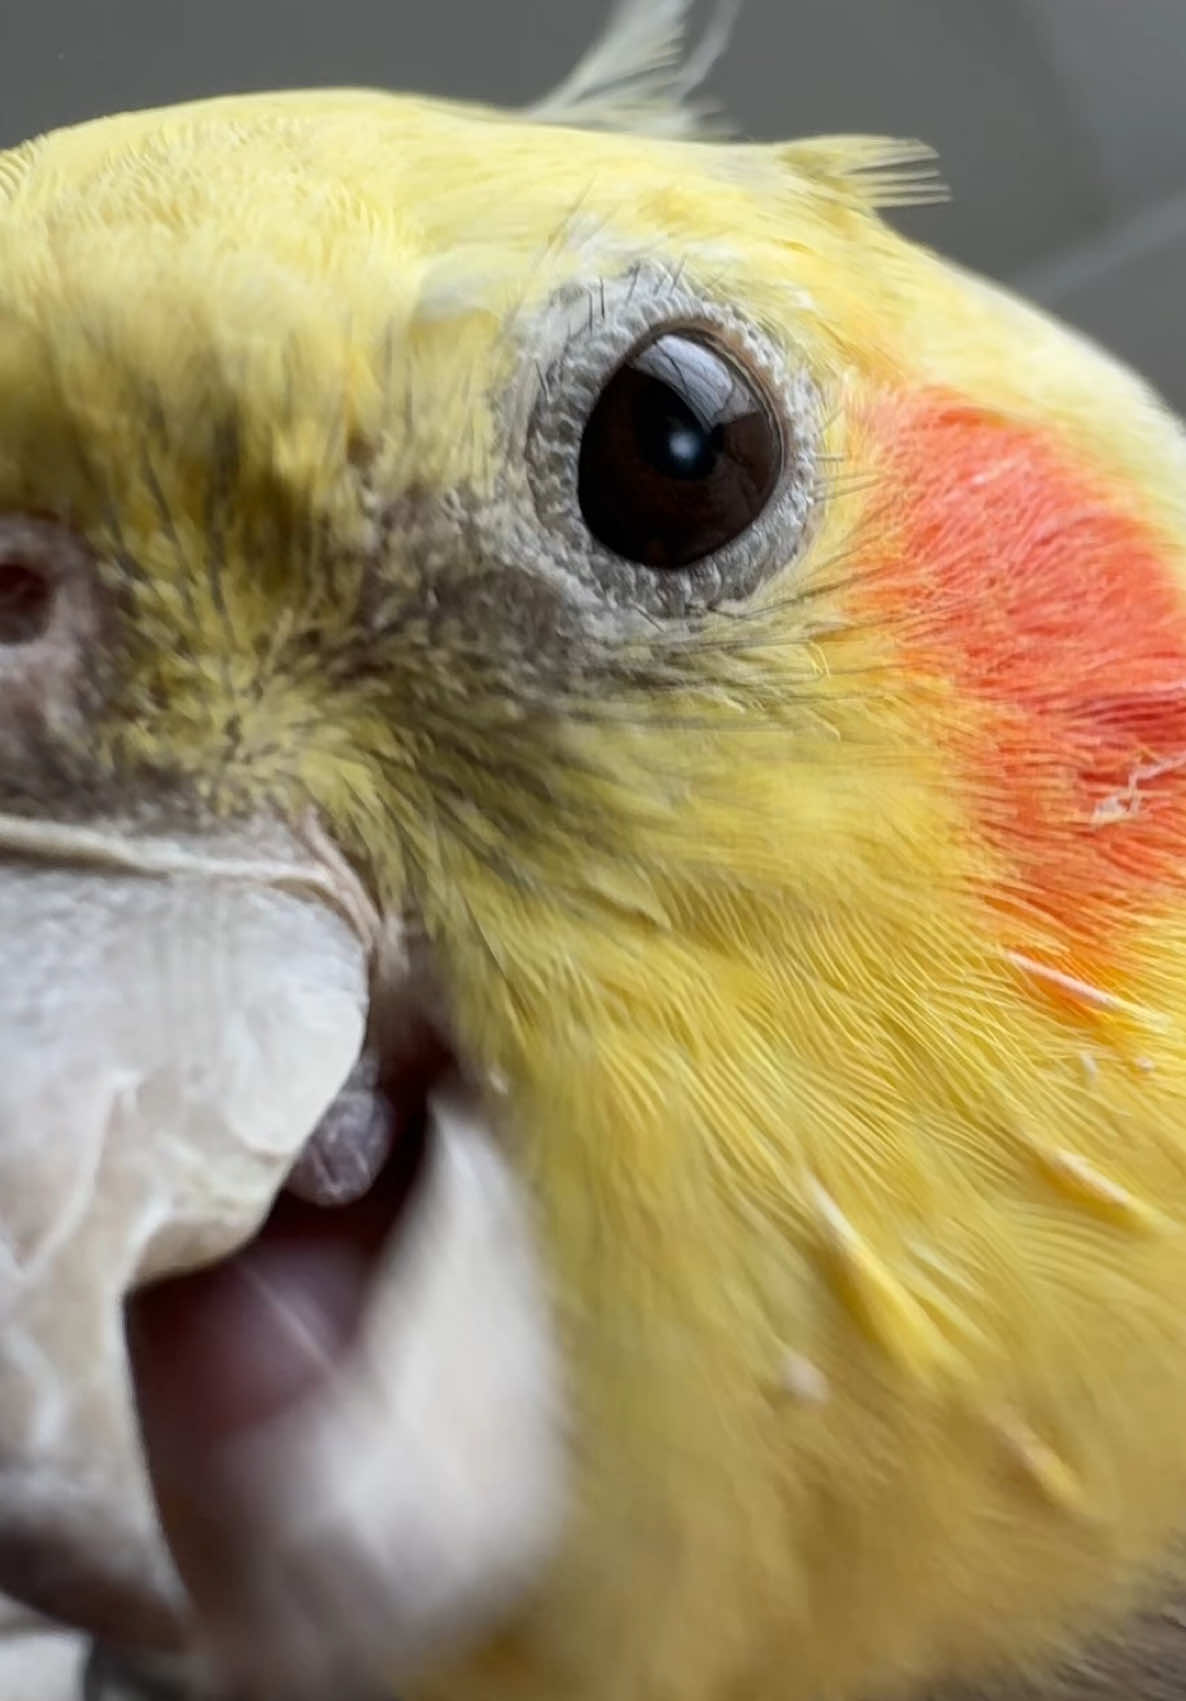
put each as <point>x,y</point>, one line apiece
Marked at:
<point>679,455</point>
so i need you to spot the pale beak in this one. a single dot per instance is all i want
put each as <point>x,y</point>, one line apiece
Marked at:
<point>170,1035</point>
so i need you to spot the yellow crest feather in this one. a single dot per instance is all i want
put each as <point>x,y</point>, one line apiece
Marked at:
<point>879,172</point>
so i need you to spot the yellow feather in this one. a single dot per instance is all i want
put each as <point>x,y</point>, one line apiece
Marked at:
<point>797,1124</point>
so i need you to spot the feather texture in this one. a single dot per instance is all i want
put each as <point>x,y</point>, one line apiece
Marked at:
<point>640,75</point>
<point>881,172</point>
<point>828,940</point>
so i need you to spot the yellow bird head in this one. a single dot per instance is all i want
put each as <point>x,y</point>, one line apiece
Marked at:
<point>704,680</point>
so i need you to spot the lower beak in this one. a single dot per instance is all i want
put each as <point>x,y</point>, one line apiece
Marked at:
<point>174,1024</point>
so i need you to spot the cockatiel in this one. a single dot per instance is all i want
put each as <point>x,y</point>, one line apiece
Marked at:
<point>593,808</point>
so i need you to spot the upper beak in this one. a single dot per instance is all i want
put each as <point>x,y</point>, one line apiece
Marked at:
<point>174,1021</point>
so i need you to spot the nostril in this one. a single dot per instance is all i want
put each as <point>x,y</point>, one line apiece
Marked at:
<point>55,627</point>
<point>26,600</point>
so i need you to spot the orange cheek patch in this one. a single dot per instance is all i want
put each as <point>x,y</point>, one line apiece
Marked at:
<point>1012,573</point>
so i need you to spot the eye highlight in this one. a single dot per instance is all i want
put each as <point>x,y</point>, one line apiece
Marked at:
<point>680,453</point>
<point>670,451</point>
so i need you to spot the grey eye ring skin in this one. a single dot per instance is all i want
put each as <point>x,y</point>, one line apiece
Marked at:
<point>1148,1665</point>
<point>412,1539</point>
<point>582,338</point>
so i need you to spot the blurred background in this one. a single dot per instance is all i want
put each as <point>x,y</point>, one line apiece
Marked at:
<point>1061,123</point>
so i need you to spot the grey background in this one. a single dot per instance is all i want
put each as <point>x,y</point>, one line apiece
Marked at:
<point>1060,123</point>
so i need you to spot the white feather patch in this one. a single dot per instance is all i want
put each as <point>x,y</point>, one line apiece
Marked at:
<point>640,75</point>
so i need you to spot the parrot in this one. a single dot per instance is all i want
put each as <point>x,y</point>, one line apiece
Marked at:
<point>593,885</point>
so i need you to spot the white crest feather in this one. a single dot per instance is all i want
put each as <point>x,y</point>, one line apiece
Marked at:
<point>640,75</point>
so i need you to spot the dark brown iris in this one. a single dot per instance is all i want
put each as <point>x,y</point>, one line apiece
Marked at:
<point>679,456</point>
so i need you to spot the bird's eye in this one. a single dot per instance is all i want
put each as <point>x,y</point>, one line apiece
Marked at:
<point>670,447</point>
<point>679,455</point>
